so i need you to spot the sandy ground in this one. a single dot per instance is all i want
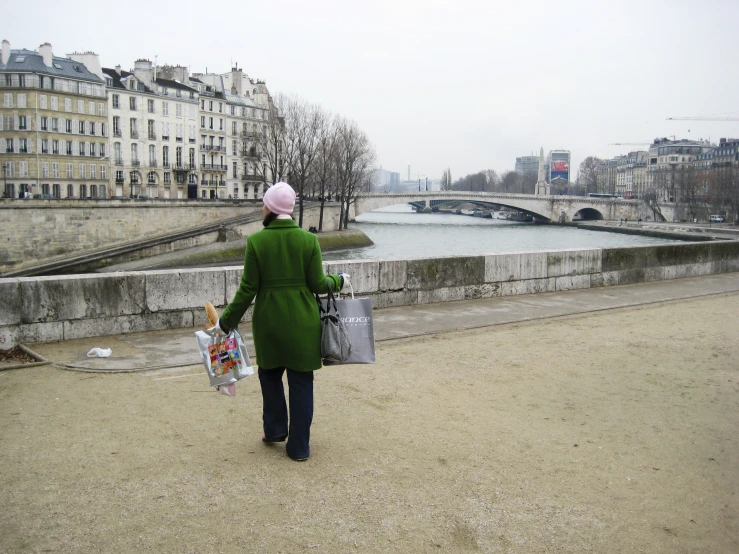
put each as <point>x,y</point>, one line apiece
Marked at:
<point>609,432</point>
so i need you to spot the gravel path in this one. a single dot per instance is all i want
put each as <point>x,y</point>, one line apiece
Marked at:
<point>608,432</point>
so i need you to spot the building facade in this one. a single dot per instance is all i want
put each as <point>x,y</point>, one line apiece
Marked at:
<point>527,165</point>
<point>153,142</point>
<point>53,126</point>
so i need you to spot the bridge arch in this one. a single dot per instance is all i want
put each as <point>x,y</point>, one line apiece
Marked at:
<point>588,214</point>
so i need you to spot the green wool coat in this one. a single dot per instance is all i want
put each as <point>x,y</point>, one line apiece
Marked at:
<point>282,269</point>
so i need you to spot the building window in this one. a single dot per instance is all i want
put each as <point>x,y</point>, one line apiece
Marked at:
<point>210,122</point>
<point>55,103</point>
<point>22,123</point>
<point>21,100</point>
<point>42,101</point>
<point>167,178</point>
<point>102,171</point>
<point>165,108</point>
<point>68,126</point>
<point>80,106</point>
<point>83,171</point>
<point>178,108</point>
<point>116,101</point>
<point>152,178</point>
<point>68,148</point>
<point>82,148</point>
<point>68,105</point>
<point>44,146</point>
<point>150,105</point>
<point>8,100</point>
<point>165,156</point>
<point>101,109</point>
<point>202,121</point>
<point>23,146</point>
<point>132,102</point>
<point>55,147</point>
<point>70,172</point>
<point>44,123</point>
<point>235,168</point>
<point>93,169</point>
<point>92,128</point>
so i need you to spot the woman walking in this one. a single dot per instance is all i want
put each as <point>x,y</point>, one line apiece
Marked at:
<point>282,271</point>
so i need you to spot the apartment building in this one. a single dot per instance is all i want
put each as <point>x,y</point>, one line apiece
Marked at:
<point>249,105</point>
<point>153,125</point>
<point>53,125</point>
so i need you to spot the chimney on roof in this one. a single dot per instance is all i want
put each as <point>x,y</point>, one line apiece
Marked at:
<point>118,69</point>
<point>144,71</point>
<point>45,51</point>
<point>6,51</point>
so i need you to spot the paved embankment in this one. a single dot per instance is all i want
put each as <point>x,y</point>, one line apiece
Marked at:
<point>605,431</point>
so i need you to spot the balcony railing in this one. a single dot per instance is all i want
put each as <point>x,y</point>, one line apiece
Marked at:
<point>152,136</point>
<point>183,167</point>
<point>193,141</point>
<point>221,183</point>
<point>213,167</point>
<point>119,161</point>
<point>134,134</point>
<point>119,180</point>
<point>135,163</point>
<point>152,163</point>
<point>250,153</point>
<point>249,134</point>
<point>117,133</point>
<point>165,165</point>
<point>250,176</point>
<point>165,137</point>
<point>206,183</point>
<point>213,147</point>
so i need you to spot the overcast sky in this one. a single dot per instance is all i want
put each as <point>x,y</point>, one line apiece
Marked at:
<point>436,84</point>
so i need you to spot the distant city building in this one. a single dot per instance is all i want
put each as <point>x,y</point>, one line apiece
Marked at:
<point>53,125</point>
<point>666,158</point>
<point>527,165</point>
<point>383,180</point>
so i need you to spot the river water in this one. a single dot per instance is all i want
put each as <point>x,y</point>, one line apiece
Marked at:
<point>399,233</point>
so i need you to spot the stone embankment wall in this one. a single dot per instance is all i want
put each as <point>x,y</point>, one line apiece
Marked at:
<point>46,309</point>
<point>34,231</point>
<point>42,230</point>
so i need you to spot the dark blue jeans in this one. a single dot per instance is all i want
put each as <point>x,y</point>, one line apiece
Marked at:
<point>274,409</point>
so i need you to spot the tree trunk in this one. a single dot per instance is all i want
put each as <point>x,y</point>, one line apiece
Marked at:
<point>320,214</point>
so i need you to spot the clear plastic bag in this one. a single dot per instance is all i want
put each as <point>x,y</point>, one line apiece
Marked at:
<point>225,358</point>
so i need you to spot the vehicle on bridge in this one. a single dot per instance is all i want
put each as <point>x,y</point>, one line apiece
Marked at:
<point>601,195</point>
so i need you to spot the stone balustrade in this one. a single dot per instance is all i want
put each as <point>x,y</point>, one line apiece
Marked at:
<point>42,309</point>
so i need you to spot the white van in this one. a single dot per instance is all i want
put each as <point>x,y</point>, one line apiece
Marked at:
<point>716,218</point>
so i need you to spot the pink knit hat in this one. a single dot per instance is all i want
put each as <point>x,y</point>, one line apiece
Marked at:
<point>280,199</point>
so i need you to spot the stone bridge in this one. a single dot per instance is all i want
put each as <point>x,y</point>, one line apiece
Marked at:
<point>542,208</point>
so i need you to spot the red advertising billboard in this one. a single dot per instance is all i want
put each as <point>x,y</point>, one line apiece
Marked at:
<point>561,170</point>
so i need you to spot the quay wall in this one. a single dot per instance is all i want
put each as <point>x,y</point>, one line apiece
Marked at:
<point>36,230</point>
<point>44,309</point>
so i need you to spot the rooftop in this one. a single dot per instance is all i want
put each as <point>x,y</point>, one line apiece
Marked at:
<point>30,61</point>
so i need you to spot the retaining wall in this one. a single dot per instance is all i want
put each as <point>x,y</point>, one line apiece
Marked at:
<point>43,309</point>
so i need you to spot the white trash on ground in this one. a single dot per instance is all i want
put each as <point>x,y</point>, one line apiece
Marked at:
<point>99,353</point>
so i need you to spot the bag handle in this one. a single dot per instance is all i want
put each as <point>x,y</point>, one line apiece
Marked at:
<point>330,300</point>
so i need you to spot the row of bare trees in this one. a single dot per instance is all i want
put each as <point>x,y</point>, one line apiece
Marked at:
<point>323,156</point>
<point>488,180</point>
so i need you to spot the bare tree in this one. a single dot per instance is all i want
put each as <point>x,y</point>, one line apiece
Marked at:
<point>492,180</point>
<point>325,162</point>
<point>271,145</point>
<point>302,124</point>
<point>354,157</point>
<point>587,175</point>
<point>511,181</point>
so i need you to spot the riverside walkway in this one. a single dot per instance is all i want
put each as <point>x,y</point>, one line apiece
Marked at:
<point>599,420</point>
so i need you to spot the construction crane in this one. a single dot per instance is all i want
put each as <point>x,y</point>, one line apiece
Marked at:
<point>704,118</point>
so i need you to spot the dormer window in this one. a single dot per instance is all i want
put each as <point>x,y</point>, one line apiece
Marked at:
<point>20,59</point>
<point>133,85</point>
<point>57,65</point>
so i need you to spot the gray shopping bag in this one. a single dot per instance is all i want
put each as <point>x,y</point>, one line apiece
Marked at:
<point>356,314</point>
